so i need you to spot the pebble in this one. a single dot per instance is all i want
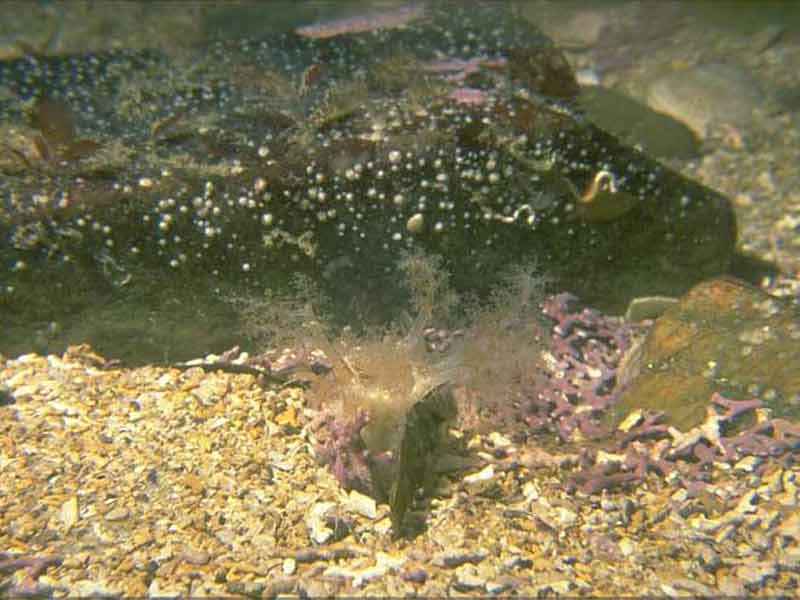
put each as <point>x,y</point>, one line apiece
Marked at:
<point>339,572</point>
<point>467,579</point>
<point>517,562</point>
<point>748,464</point>
<point>361,505</point>
<point>562,587</point>
<point>318,529</point>
<point>195,557</point>
<point>531,491</point>
<point>755,573</point>
<point>632,420</point>
<point>92,589</point>
<point>415,575</point>
<point>731,586</point>
<point>497,587</point>
<point>156,591</point>
<point>709,559</point>
<point>390,561</point>
<point>504,583</point>
<point>117,514</point>
<point>565,517</point>
<point>748,503</point>
<point>245,588</point>
<point>582,29</point>
<point>480,481</point>
<point>790,490</point>
<point>791,526</point>
<point>451,560</point>
<point>369,574</point>
<point>627,547</point>
<point>789,559</point>
<point>711,93</point>
<point>688,585</point>
<point>289,566</point>
<point>498,440</point>
<point>315,589</point>
<point>69,512</point>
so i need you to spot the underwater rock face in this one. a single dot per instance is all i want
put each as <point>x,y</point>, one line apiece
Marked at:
<point>455,132</point>
<point>707,95</point>
<point>722,337</point>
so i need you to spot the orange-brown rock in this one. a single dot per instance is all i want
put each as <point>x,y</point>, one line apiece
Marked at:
<point>723,336</point>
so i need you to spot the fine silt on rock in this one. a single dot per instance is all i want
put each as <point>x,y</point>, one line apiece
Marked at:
<point>332,152</point>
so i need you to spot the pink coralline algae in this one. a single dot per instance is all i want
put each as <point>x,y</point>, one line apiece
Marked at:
<point>386,19</point>
<point>467,95</point>
<point>580,383</point>
<point>719,438</point>
<point>29,586</point>
<point>458,70</point>
<point>580,378</point>
<point>345,452</point>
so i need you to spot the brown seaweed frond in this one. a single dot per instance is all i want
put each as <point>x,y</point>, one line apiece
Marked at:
<point>55,140</point>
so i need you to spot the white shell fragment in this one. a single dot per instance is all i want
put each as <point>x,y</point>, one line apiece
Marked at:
<point>480,481</point>
<point>362,505</point>
<point>318,529</point>
<point>69,512</point>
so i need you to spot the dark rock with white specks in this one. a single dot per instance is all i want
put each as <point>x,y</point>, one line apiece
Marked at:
<point>456,133</point>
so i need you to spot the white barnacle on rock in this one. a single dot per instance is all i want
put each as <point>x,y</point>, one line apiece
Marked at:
<point>415,223</point>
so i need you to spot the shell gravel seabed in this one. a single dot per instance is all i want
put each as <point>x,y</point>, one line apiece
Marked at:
<point>166,482</point>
